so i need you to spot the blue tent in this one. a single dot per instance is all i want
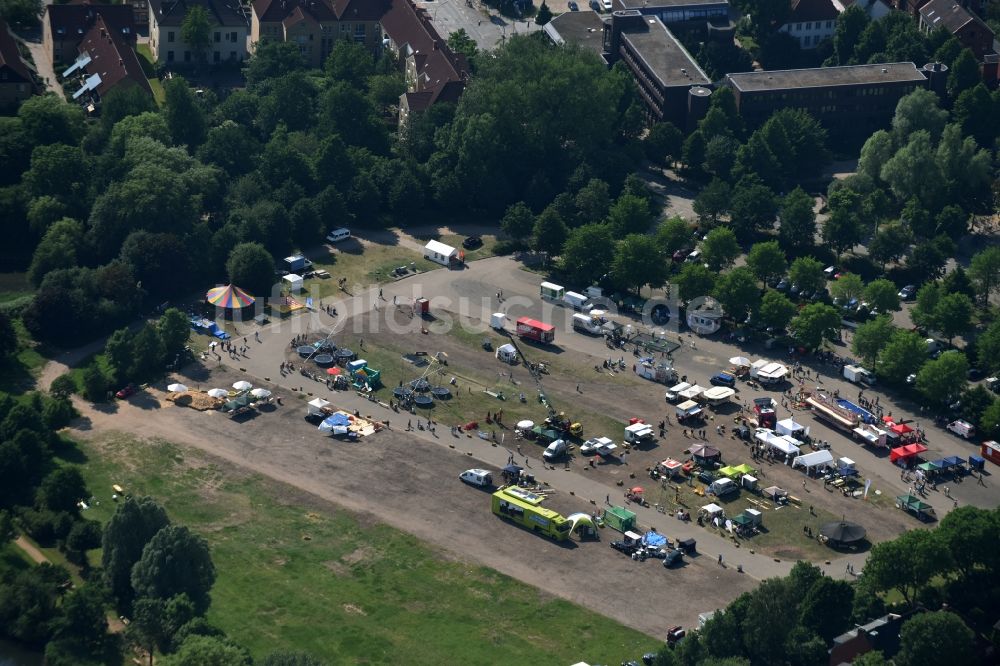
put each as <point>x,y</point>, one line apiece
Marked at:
<point>953,461</point>
<point>654,539</point>
<point>337,420</point>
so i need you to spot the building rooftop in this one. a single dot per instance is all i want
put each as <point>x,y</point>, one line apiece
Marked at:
<point>113,59</point>
<point>665,4</point>
<point>948,15</point>
<point>10,57</point>
<point>663,54</point>
<point>410,29</point>
<point>72,21</point>
<point>812,10</point>
<point>220,12</point>
<point>825,77</point>
<point>586,29</point>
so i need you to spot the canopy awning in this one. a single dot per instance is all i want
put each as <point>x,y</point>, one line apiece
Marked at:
<point>230,297</point>
<point>814,459</point>
<point>908,451</point>
<point>712,509</point>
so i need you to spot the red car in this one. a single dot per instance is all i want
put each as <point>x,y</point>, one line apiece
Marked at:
<point>127,391</point>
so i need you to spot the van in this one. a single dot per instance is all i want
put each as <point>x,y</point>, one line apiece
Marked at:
<point>338,235</point>
<point>477,477</point>
<point>555,450</point>
<point>576,301</point>
<point>962,429</point>
<point>694,257</point>
<point>587,324</point>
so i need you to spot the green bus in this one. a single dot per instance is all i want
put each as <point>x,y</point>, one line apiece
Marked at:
<point>524,508</point>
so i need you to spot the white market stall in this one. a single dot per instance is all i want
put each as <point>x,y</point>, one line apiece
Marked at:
<point>718,395</point>
<point>692,392</point>
<point>767,372</point>
<point>786,445</point>
<point>292,282</point>
<point>791,428</point>
<point>813,460</point>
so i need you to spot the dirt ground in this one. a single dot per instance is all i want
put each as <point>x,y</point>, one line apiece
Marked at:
<point>412,485</point>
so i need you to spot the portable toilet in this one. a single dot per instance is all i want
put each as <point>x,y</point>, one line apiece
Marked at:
<point>755,516</point>
<point>292,282</point>
<point>619,518</point>
<point>422,306</point>
<point>359,364</point>
<point>498,320</point>
<point>749,482</point>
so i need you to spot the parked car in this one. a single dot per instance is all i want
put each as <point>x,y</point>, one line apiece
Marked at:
<point>674,557</point>
<point>908,293</point>
<point>480,478</point>
<point>573,7</point>
<point>126,391</point>
<point>974,374</point>
<point>472,242</point>
<point>607,5</point>
<point>623,547</point>
<point>782,285</point>
<point>723,379</point>
<point>681,255</point>
<point>338,235</point>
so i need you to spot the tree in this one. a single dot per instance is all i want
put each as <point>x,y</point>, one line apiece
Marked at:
<point>544,14</point>
<point>174,330</point>
<point>350,62</point>
<point>185,117</point>
<point>848,287</point>
<point>906,178</point>
<point>549,233</point>
<point>871,338</point>
<point>815,323</point>
<point>586,255</point>
<point>175,561</point>
<point>196,30</point>
<point>713,200</point>
<point>693,281</point>
<point>767,260</point>
<point>148,354</point>
<point>826,608</point>
<point>984,270</point>
<point>841,231</point>
<point>738,293</point>
<point>518,222</point>
<point>850,24</point>
<point>920,110</point>
<point>807,273</point>
<point>592,202</point>
<point>8,337</point>
<point>967,533</point>
<point>273,59</point>
<point>630,214</point>
<point>881,295</point>
<point>133,524</point>
<point>663,143</point>
<point>890,243</point>
<point>901,356</point>
<point>94,383</point>
<point>693,152</point>
<point>638,262</point>
<point>873,658</point>
<point>935,639</point>
<point>83,622</point>
<point>797,230</point>
<point>964,73</point>
<point>988,348</point>
<point>941,380</point>
<point>906,564</point>
<point>59,248</point>
<point>775,310</point>
<point>47,119</point>
<point>62,489</point>
<point>21,12</point>
<point>753,207</point>
<point>924,312</point>
<point>673,234</point>
<point>720,248</point>
<point>208,651</point>
<point>927,260</point>
<point>989,422</point>
<point>953,315</point>
<point>63,386</point>
<point>83,536</point>
<point>120,353</point>
<point>251,267</point>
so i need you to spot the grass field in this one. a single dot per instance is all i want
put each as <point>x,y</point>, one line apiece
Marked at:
<point>362,265</point>
<point>294,575</point>
<point>149,69</point>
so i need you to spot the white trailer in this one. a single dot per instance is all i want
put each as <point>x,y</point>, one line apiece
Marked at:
<point>858,375</point>
<point>638,433</point>
<point>551,291</point>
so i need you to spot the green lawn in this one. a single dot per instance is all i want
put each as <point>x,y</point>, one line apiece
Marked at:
<point>149,69</point>
<point>18,373</point>
<point>362,266</point>
<point>14,286</point>
<point>295,577</point>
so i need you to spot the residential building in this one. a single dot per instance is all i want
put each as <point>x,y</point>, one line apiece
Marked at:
<point>140,13</point>
<point>851,101</point>
<point>875,9</point>
<point>585,29</point>
<point>434,73</point>
<point>64,27</point>
<point>673,12</point>
<point>106,61</point>
<point>230,28</point>
<point>316,24</point>
<point>967,28</point>
<point>880,634</point>
<point>811,21</point>
<point>16,81</point>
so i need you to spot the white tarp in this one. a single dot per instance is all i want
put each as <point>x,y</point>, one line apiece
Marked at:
<point>814,459</point>
<point>791,428</point>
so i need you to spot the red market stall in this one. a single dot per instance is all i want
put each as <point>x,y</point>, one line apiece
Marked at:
<point>906,453</point>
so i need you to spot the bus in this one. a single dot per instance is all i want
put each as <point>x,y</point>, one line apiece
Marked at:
<point>524,508</point>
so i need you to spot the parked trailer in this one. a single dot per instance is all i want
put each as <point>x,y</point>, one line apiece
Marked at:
<point>524,508</point>
<point>551,291</point>
<point>858,375</point>
<point>532,329</point>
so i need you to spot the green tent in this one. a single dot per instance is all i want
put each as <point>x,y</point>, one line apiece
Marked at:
<point>619,518</point>
<point>745,469</point>
<point>729,472</point>
<point>743,520</point>
<point>916,506</point>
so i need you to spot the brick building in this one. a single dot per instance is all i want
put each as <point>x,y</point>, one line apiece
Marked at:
<point>228,34</point>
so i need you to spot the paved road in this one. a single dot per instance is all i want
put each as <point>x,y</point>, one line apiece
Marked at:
<point>43,64</point>
<point>487,29</point>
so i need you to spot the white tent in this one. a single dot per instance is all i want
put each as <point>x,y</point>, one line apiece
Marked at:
<point>692,392</point>
<point>786,445</point>
<point>440,253</point>
<point>292,282</point>
<point>712,510</point>
<point>718,394</point>
<point>814,459</point>
<point>507,353</point>
<point>791,428</point>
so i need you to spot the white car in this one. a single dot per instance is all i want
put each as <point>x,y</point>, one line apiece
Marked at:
<point>338,235</point>
<point>480,478</point>
<point>607,5</point>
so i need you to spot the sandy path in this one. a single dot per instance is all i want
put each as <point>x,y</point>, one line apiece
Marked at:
<point>29,548</point>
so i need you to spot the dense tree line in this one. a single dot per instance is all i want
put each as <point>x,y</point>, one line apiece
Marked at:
<point>944,577</point>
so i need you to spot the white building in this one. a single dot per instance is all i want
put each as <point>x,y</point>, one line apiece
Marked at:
<point>440,253</point>
<point>230,28</point>
<point>811,21</point>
